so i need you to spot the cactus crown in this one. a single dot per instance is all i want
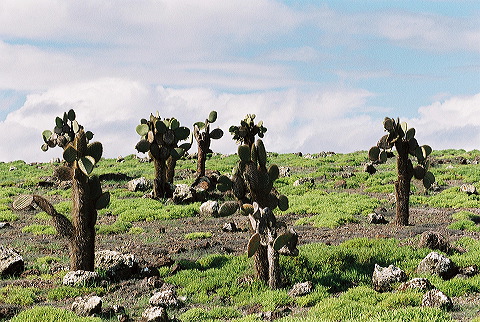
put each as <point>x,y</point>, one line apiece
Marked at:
<point>251,180</point>
<point>161,137</point>
<point>245,133</point>
<point>202,130</point>
<point>399,133</point>
<point>78,153</point>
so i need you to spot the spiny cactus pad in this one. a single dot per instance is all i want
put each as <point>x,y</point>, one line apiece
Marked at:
<point>22,202</point>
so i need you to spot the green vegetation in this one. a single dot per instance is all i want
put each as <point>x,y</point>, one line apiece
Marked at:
<point>331,209</point>
<point>224,287</point>
<point>51,314</point>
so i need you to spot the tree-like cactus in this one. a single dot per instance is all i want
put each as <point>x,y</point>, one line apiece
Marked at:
<point>203,136</point>
<point>246,132</point>
<point>403,139</point>
<point>80,158</point>
<point>265,236</point>
<point>160,138</point>
<point>252,183</point>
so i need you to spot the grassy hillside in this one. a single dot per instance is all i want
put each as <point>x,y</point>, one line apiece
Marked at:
<point>216,278</point>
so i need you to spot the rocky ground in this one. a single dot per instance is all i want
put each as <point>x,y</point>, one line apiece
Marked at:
<point>163,243</point>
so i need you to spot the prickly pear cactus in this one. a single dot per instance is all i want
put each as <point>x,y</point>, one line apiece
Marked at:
<point>403,139</point>
<point>251,180</point>
<point>160,138</point>
<point>80,158</point>
<point>246,132</point>
<point>267,245</point>
<point>203,136</point>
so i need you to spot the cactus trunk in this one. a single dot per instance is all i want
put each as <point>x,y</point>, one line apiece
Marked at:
<point>261,263</point>
<point>160,183</point>
<point>84,216</point>
<point>402,185</point>
<point>171,163</point>
<point>274,276</point>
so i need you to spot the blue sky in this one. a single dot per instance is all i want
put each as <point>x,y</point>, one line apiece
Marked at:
<point>321,74</point>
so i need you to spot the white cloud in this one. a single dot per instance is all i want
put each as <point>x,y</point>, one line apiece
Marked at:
<point>453,123</point>
<point>111,108</point>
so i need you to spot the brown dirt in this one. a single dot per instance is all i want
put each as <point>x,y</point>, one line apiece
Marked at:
<point>164,240</point>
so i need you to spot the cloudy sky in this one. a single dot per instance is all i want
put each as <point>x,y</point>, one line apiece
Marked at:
<point>322,75</point>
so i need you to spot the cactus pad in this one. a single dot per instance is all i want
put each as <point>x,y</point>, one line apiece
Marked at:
<point>228,208</point>
<point>22,202</point>
<point>253,244</point>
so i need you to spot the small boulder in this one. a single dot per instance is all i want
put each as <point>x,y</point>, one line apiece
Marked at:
<point>155,314</point>
<point>117,266</point>
<point>165,298</point>
<point>139,184</point>
<point>80,278</point>
<point>5,225</point>
<point>183,194</point>
<point>230,227</point>
<point>87,306</point>
<point>466,272</point>
<point>375,218</point>
<point>434,241</point>
<point>11,263</point>
<point>284,172</point>
<point>469,189</point>
<point>435,298</point>
<point>416,283</point>
<point>209,209</point>
<point>302,181</point>
<point>435,263</point>
<point>384,277</point>
<point>301,289</point>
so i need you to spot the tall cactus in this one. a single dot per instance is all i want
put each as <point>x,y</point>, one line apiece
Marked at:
<point>265,237</point>
<point>80,158</point>
<point>160,139</point>
<point>252,183</point>
<point>403,139</point>
<point>203,136</point>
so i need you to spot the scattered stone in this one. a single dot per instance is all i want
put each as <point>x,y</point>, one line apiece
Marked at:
<point>467,272</point>
<point>301,181</point>
<point>298,154</point>
<point>163,260</point>
<point>469,189</point>
<point>12,168</point>
<point>434,241</point>
<point>301,289</point>
<point>375,218</point>
<point>436,298</point>
<point>87,306</point>
<point>416,283</point>
<point>139,184</point>
<point>370,168</point>
<point>165,298</point>
<point>230,227</point>
<point>284,172</point>
<point>435,263</point>
<point>8,311</point>
<point>347,174</point>
<point>5,225</point>
<point>120,159</point>
<point>153,283</point>
<point>209,209</point>
<point>81,278</point>
<point>55,160</point>
<point>310,156</point>
<point>384,277</point>
<point>183,194</point>
<point>117,266</point>
<point>11,263</point>
<point>155,314</point>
